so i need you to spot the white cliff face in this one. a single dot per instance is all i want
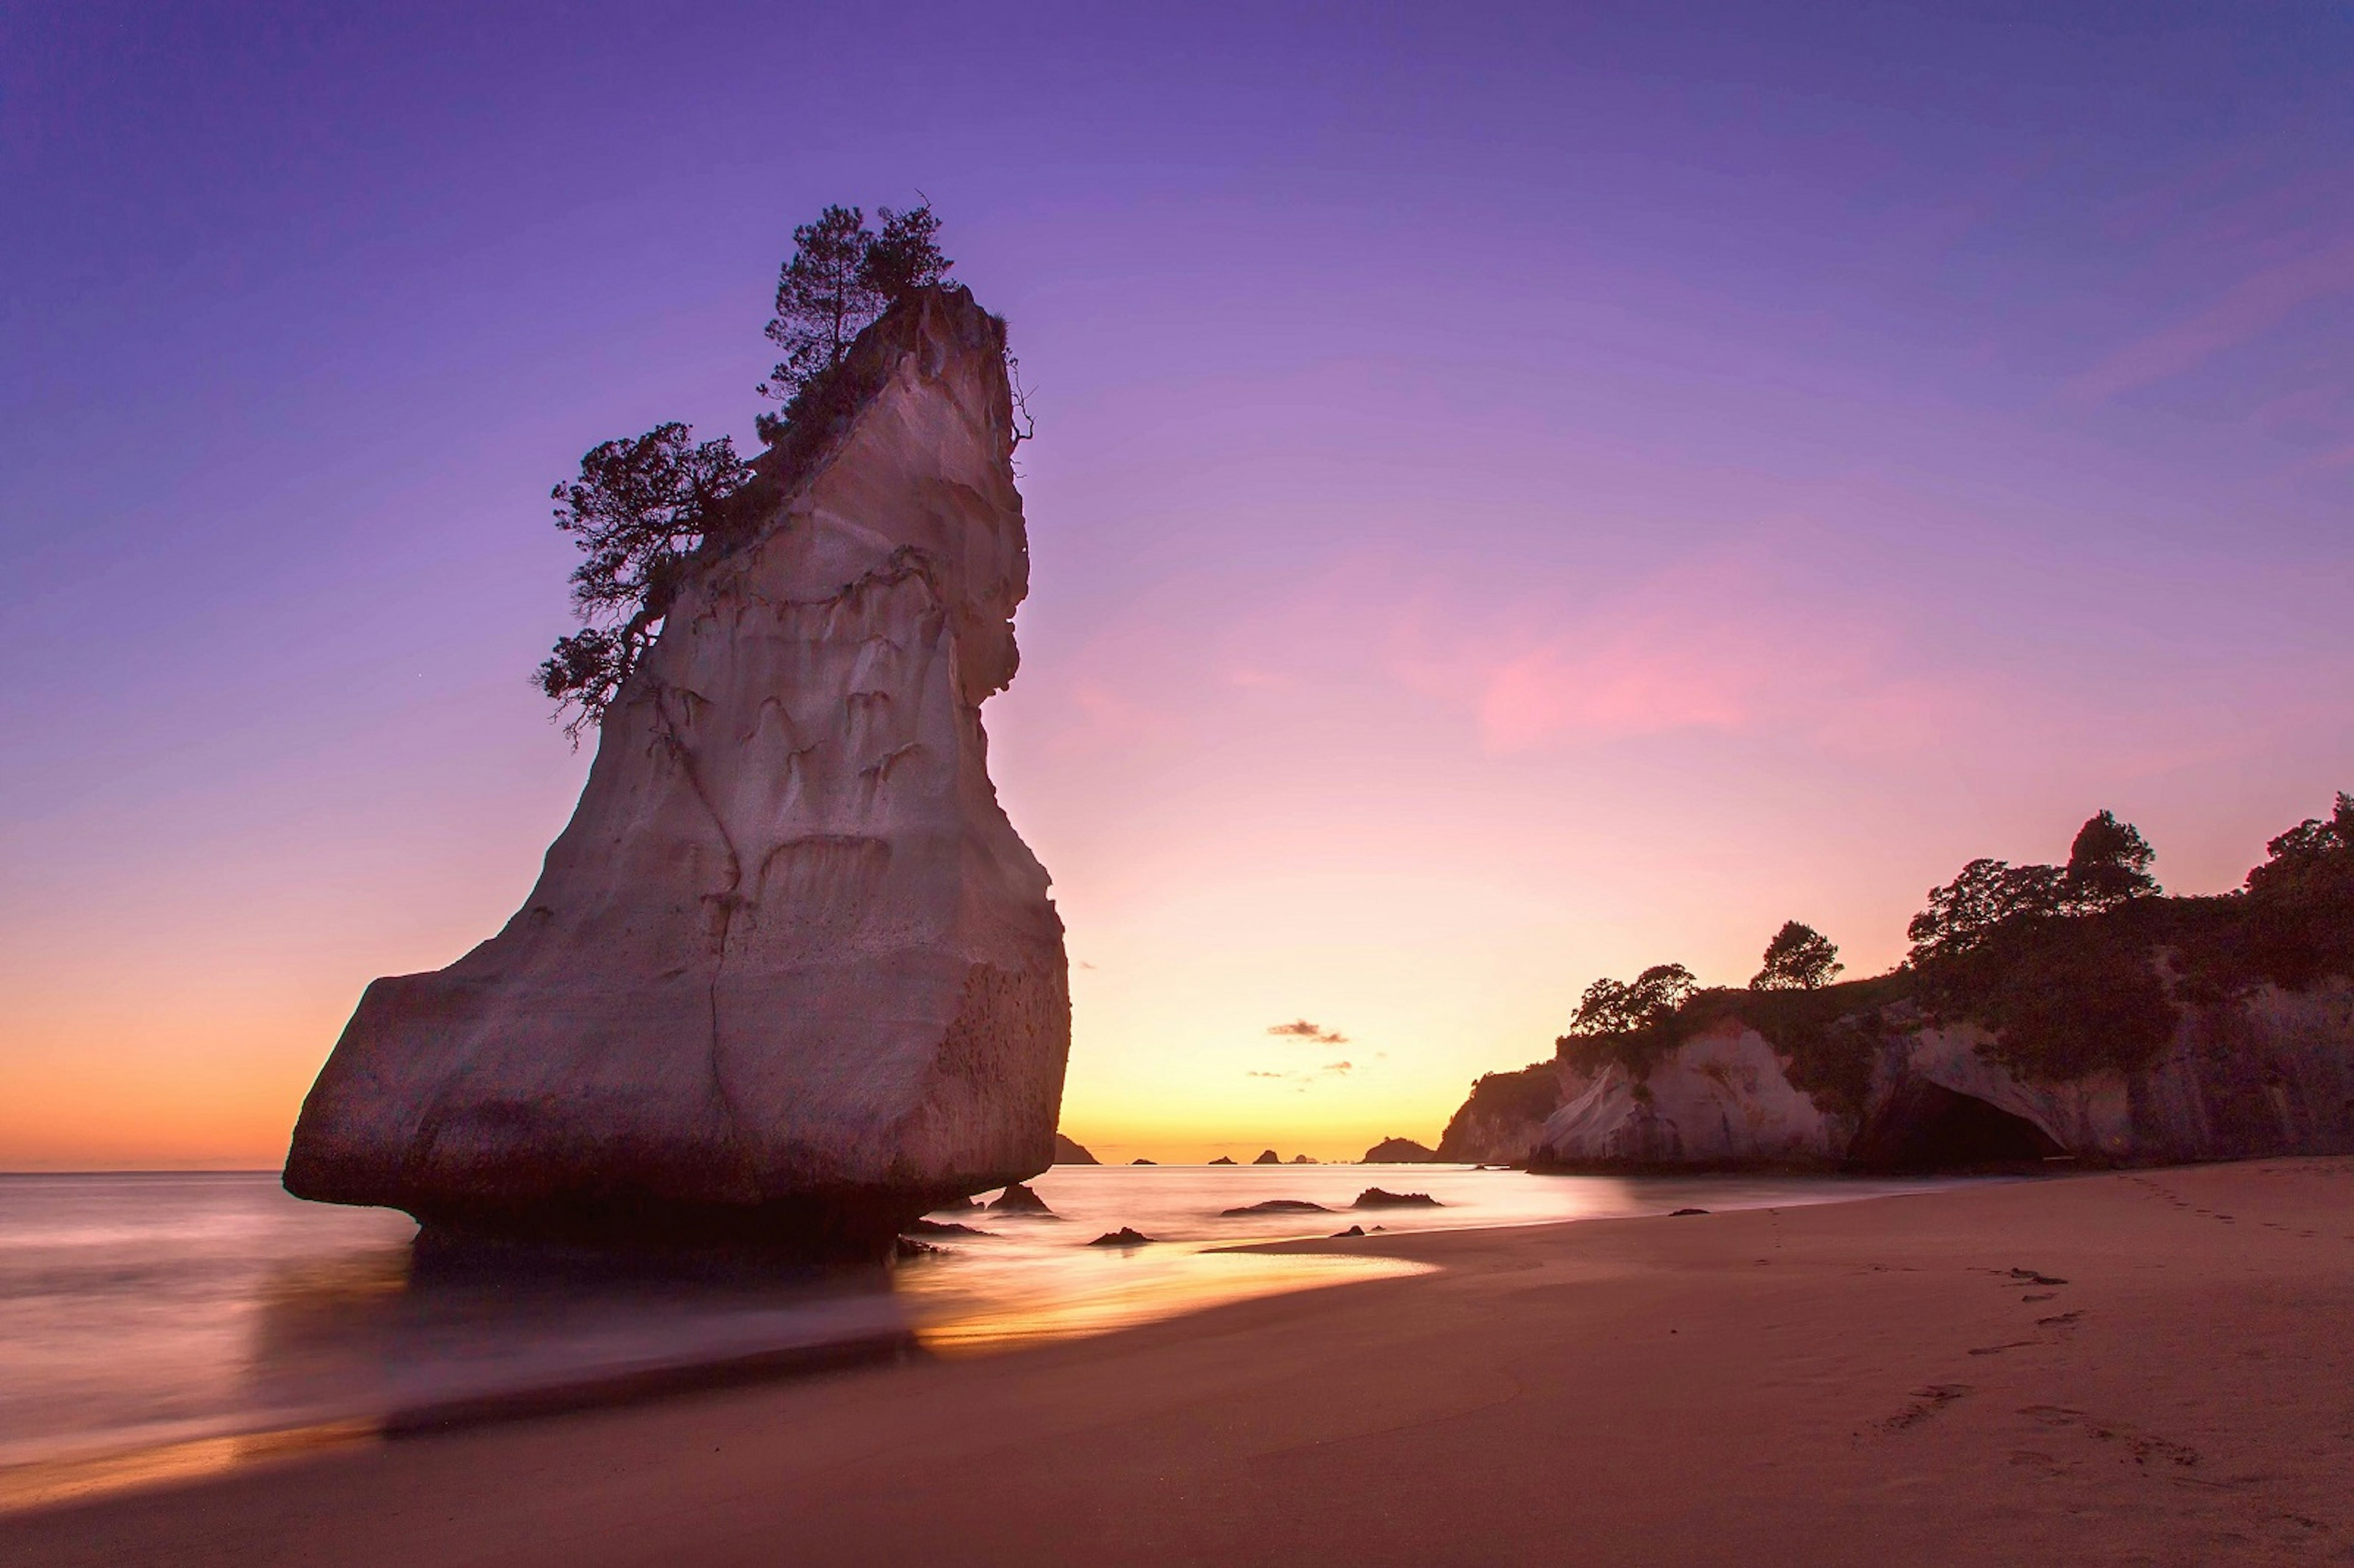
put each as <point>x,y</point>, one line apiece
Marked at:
<point>1720,1098</point>
<point>790,966</point>
<point>2272,1073</point>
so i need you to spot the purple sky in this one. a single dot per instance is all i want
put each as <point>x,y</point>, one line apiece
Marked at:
<point>1520,495</point>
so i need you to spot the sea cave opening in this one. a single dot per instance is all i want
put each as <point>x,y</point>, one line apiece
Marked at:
<point>1931,1128</point>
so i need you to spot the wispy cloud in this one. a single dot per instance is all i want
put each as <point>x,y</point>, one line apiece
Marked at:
<point>2248,309</point>
<point>1728,643</point>
<point>1304,1077</point>
<point>1302,1029</point>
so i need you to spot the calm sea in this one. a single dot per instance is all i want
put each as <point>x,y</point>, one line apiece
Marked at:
<point>139,1312</point>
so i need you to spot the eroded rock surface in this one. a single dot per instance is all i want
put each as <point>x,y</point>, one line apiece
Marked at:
<point>2268,1073</point>
<point>789,975</point>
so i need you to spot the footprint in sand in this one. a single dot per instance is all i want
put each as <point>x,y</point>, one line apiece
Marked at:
<point>1929,1401</point>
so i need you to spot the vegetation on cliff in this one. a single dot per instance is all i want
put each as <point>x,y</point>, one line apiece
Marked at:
<point>2071,970</point>
<point>1500,1105</point>
<point>840,277</point>
<point>645,508</point>
<point>1799,958</point>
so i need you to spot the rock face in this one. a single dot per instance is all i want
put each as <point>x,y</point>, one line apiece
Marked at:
<point>2270,1073</point>
<point>1722,1099</point>
<point>1502,1122</point>
<point>789,976</point>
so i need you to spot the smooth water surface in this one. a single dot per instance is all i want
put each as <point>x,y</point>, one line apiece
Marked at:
<point>142,1310</point>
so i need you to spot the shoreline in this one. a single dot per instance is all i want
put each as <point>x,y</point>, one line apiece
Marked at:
<point>2145,1365</point>
<point>900,1322</point>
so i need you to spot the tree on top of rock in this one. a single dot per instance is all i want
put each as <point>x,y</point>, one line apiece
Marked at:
<point>906,255</point>
<point>1986,895</point>
<point>2108,864</point>
<point>2308,851</point>
<point>1799,958</point>
<point>1648,1001</point>
<point>641,508</point>
<point>841,276</point>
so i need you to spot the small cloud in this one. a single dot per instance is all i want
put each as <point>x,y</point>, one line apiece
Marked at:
<point>1266,1075</point>
<point>1338,1066</point>
<point>1081,964</point>
<point>1302,1029</point>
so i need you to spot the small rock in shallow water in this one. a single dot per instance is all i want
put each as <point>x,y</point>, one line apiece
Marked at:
<point>942,1228</point>
<point>1278,1206</point>
<point>1375,1198</point>
<point>1020,1199</point>
<point>1680,1213</point>
<point>1123,1236</point>
<point>1352,1231</point>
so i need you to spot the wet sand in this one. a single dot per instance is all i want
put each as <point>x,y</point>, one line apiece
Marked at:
<point>2144,1367</point>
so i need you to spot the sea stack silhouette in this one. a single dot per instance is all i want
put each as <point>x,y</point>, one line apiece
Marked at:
<point>789,978</point>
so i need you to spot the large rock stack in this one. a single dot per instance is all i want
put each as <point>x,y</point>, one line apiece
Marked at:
<point>789,977</point>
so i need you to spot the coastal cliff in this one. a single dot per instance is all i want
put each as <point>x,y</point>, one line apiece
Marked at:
<point>789,974</point>
<point>2044,1013</point>
<point>2268,1072</point>
<point>1504,1119</point>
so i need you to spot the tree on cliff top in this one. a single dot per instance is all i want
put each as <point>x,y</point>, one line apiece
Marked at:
<point>2108,865</point>
<point>1629,1007</point>
<point>640,509</point>
<point>841,276</point>
<point>2309,851</point>
<point>1799,958</point>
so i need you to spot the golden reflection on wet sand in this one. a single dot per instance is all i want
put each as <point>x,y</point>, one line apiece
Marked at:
<point>1129,1286</point>
<point>62,1480</point>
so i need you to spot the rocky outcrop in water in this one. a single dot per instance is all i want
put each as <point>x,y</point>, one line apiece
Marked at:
<point>1069,1152</point>
<point>1399,1151</point>
<point>789,976</point>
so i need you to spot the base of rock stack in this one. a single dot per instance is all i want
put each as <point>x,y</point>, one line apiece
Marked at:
<point>854,1225</point>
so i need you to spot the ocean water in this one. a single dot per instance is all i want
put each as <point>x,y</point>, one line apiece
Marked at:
<point>142,1313</point>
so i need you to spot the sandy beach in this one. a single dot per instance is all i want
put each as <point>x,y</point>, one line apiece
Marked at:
<point>2144,1367</point>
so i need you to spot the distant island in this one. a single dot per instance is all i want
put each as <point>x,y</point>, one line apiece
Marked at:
<point>2071,1012</point>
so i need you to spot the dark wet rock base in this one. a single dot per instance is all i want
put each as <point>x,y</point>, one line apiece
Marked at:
<point>851,1226</point>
